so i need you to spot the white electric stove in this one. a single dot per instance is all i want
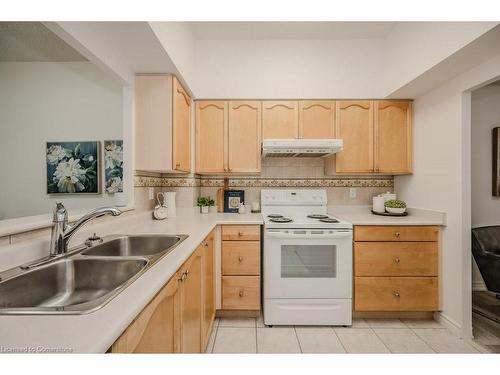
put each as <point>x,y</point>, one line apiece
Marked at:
<point>307,260</point>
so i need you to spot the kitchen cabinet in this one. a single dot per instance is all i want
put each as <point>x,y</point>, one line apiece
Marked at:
<point>191,281</point>
<point>211,136</point>
<point>280,119</point>
<point>393,137</point>
<point>241,267</point>
<point>208,287</point>
<point>377,137</point>
<point>244,136</point>
<point>396,268</point>
<point>228,137</point>
<point>162,124</point>
<point>157,328</point>
<point>317,119</point>
<point>354,125</point>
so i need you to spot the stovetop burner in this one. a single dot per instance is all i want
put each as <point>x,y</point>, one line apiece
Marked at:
<point>329,220</point>
<point>281,220</point>
<point>317,216</point>
<point>274,216</point>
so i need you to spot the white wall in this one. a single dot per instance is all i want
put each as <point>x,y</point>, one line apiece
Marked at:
<point>42,102</point>
<point>414,47</point>
<point>288,68</point>
<point>441,180</point>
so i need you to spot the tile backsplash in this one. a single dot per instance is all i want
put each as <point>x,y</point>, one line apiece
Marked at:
<point>275,173</point>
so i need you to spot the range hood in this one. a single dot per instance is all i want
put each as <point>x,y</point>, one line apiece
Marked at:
<point>300,147</point>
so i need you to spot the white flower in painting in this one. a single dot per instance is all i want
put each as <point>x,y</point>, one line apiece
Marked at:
<point>113,156</point>
<point>55,153</point>
<point>67,176</point>
<point>115,185</point>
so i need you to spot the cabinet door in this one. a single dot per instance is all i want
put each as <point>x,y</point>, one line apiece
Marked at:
<point>191,303</point>
<point>211,136</point>
<point>181,128</point>
<point>157,328</point>
<point>317,119</point>
<point>280,119</point>
<point>208,287</point>
<point>354,125</point>
<point>244,136</point>
<point>393,137</point>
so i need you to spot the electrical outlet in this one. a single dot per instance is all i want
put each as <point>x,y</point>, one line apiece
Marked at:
<point>352,193</point>
<point>151,193</point>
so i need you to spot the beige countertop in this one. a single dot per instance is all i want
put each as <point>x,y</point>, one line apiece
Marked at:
<point>362,215</point>
<point>96,331</point>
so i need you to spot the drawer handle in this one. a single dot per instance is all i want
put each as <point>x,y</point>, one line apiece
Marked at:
<point>206,244</point>
<point>240,259</point>
<point>183,277</point>
<point>397,234</point>
<point>240,234</point>
<point>177,165</point>
<point>397,260</point>
<point>396,294</point>
<point>240,293</point>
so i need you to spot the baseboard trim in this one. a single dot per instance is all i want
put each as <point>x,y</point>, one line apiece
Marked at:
<point>479,286</point>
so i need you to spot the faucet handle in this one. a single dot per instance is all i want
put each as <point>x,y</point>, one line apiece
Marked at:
<point>93,239</point>
<point>60,213</point>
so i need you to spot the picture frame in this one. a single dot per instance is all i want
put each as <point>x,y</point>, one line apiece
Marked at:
<point>113,166</point>
<point>232,200</point>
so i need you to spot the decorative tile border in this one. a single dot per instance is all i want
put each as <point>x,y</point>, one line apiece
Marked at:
<point>243,181</point>
<point>166,181</point>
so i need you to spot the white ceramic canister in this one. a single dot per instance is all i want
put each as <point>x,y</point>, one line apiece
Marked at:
<point>389,196</point>
<point>378,203</point>
<point>168,201</point>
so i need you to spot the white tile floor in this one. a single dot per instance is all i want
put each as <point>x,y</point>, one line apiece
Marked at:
<point>250,335</point>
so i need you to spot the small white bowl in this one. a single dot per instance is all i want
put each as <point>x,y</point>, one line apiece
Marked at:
<point>393,210</point>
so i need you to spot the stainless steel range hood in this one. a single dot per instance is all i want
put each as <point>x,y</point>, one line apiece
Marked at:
<point>300,147</point>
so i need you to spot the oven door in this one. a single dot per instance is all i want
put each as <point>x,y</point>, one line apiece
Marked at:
<point>307,263</point>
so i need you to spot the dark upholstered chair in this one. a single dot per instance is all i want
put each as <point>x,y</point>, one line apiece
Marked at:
<point>486,251</point>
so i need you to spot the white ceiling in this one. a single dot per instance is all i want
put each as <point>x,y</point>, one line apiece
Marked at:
<point>32,41</point>
<point>291,30</point>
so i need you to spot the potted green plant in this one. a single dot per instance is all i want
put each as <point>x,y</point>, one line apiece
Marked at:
<point>211,205</point>
<point>395,206</point>
<point>203,203</point>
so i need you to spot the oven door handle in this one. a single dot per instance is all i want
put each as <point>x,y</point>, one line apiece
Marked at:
<point>335,235</point>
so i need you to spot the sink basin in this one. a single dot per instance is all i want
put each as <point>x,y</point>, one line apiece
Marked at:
<point>69,285</point>
<point>140,245</point>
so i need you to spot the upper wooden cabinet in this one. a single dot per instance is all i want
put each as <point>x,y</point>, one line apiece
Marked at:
<point>354,125</point>
<point>157,328</point>
<point>162,124</point>
<point>377,137</point>
<point>393,136</point>
<point>211,136</point>
<point>244,136</point>
<point>228,136</point>
<point>280,119</point>
<point>317,119</point>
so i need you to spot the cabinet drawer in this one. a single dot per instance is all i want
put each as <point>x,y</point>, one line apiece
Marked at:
<point>395,233</point>
<point>395,259</point>
<point>396,294</point>
<point>241,258</point>
<point>241,292</point>
<point>241,232</point>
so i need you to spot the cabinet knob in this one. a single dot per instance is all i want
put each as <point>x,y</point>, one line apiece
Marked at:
<point>183,276</point>
<point>240,293</point>
<point>240,259</point>
<point>396,294</point>
<point>177,165</point>
<point>206,244</point>
<point>240,234</point>
<point>397,260</point>
<point>397,234</point>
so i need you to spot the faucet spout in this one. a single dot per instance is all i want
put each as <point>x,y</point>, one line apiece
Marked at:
<point>62,231</point>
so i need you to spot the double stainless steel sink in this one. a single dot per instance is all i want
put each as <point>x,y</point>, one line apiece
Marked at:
<point>85,279</point>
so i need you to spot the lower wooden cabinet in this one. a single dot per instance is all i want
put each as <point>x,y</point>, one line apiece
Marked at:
<point>241,292</point>
<point>179,318</point>
<point>396,268</point>
<point>157,328</point>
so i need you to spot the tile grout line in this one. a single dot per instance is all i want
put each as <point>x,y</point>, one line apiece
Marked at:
<point>215,338</point>
<point>382,341</point>
<point>297,337</point>
<point>338,338</point>
<point>256,341</point>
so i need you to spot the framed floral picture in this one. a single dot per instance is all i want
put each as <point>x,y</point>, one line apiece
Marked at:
<point>113,166</point>
<point>72,167</point>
